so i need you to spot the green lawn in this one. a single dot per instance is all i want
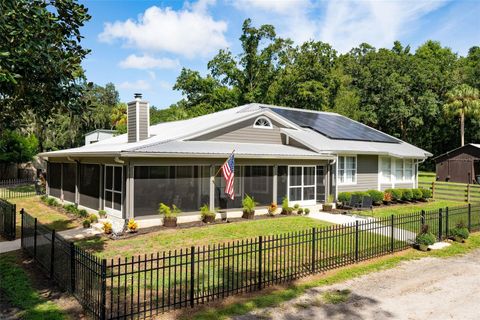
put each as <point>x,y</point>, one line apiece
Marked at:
<point>387,211</point>
<point>427,177</point>
<point>184,238</point>
<point>18,291</point>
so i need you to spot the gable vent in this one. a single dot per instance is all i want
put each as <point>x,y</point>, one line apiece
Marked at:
<point>138,119</point>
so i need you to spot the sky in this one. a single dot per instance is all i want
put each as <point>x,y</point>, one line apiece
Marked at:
<point>142,45</point>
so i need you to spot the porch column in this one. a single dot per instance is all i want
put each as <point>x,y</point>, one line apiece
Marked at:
<point>101,193</point>
<point>129,191</point>
<point>212,188</point>
<point>77,182</point>
<point>275,179</point>
<point>328,178</point>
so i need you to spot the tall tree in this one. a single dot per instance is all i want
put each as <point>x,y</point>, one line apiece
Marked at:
<point>463,101</point>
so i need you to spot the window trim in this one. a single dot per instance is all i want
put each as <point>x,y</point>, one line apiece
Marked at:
<point>345,156</point>
<point>392,170</point>
<point>270,125</point>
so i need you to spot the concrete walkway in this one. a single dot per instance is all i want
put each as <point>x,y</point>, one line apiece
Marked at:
<point>71,234</point>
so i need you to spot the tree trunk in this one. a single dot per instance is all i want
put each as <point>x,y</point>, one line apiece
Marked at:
<point>462,128</point>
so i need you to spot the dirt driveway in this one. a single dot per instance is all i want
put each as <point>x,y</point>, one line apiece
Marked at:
<point>430,288</point>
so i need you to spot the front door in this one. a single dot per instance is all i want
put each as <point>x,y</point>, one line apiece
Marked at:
<point>113,190</point>
<point>302,185</point>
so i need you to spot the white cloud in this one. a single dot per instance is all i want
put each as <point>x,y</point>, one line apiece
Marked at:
<point>136,85</point>
<point>165,85</point>
<point>188,32</point>
<point>148,62</point>
<point>349,23</point>
<point>277,6</point>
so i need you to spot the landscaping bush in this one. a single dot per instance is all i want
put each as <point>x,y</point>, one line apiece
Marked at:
<point>93,218</point>
<point>70,208</point>
<point>165,210</point>
<point>307,211</point>
<point>248,204</point>
<point>377,196</point>
<point>387,197</point>
<point>425,238</point>
<point>107,227</point>
<point>395,193</point>
<point>344,197</point>
<point>176,210</point>
<point>86,223</point>
<point>83,213</point>
<point>272,208</point>
<point>300,211</point>
<point>417,194</point>
<point>44,198</point>
<point>132,225</point>
<point>360,194</point>
<point>52,202</point>
<point>102,213</point>
<point>407,194</point>
<point>460,232</point>
<point>296,206</point>
<point>426,193</point>
<point>207,215</point>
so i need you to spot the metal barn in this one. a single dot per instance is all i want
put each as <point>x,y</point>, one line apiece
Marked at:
<point>459,165</point>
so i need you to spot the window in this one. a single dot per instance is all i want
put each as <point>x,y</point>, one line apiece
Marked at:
<point>263,123</point>
<point>302,183</point>
<point>398,169</point>
<point>403,170</point>
<point>386,167</point>
<point>347,169</point>
<point>408,169</point>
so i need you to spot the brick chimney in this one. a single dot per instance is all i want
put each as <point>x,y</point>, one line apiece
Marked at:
<point>138,119</point>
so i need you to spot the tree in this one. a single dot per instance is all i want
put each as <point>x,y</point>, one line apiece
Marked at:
<point>17,148</point>
<point>41,55</point>
<point>463,101</point>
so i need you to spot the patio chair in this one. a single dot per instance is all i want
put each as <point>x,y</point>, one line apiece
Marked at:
<point>366,204</point>
<point>354,201</point>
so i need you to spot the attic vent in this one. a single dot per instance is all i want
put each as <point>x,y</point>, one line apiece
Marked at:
<point>263,123</point>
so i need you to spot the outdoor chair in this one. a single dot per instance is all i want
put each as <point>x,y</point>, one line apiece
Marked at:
<point>354,201</point>
<point>366,204</point>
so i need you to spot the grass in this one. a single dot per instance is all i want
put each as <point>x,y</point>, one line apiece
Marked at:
<point>336,296</point>
<point>387,211</point>
<point>276,297</point>
<point>17,289</point>
<point>182,238</point>
<point>426,177</point>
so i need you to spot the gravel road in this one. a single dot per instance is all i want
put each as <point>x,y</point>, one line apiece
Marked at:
<point>429,288</point>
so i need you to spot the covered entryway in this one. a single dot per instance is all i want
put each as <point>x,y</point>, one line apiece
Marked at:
<point>113,197</point>
<point>302,185</point>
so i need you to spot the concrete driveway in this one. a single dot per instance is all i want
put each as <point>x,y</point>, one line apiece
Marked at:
<point>429,288</point>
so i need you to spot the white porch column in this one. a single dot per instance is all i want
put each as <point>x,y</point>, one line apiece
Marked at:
<point>212,188</point>
<point>275,179</point>
<point>129,192</point>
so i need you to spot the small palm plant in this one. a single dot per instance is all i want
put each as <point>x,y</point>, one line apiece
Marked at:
<point>248,204</point>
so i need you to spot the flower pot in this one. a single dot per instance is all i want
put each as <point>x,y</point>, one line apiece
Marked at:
<point>423,247</point>
<point>248,214</point>
<point>208,219</point>
<point>170,222</point>
<point>327,207</point>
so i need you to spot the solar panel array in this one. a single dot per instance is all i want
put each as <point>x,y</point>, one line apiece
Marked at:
<point>334,126</point>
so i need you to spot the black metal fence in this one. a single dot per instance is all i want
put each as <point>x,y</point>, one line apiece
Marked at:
<point>8,219</point>
<point>18,188</point>
<point>145,285</point>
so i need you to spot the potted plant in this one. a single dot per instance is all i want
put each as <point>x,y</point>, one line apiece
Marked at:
<point>248,204</point>
<point>425,238</point>
<point>296,207</point>
<point>107,227</point>
<point>169,216</point>
<point>300,211</point>
<point>328,206</point>
<point>207,215</point>
<point>86,223</point>
<point>102,214</point>
<point>285,206</point>
<point>93,218</point>
<point>132,226</point>
<point>272,208</point>
<point>307,211</point>
<point>460,232</point>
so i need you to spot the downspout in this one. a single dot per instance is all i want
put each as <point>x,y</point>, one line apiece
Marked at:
<point>117,160</point>
<point>416,167</point>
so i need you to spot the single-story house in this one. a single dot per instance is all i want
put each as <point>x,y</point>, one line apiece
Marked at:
<point>459,165</point>
<point>279,152</point>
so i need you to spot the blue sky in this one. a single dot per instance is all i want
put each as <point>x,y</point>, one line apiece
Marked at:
<point>142,45</point>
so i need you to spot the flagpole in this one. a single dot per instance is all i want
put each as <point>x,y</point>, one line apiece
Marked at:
<point>224,163</point>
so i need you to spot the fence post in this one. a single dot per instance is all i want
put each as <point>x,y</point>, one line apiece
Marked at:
<point>469,217</point>
<point>260,243</point>
<point>468,192</point>
<point>52,254</point>
<point>446,222</point>
<point>103,301</point>
<point>313,248</point>
<point>72,267</point>
<point>392,242</point>
<point>192,276</point>
<point>422,218</point>
<point>440,218</point>
<point>14,221</point>
<point>433,189</point>
<point>35,240</point>
<point>356,240</point>
<point>21,228</point>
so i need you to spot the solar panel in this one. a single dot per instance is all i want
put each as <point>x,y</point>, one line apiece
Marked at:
<point>334,126</point>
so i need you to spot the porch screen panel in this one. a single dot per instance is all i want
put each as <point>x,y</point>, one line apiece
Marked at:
<point>258,183</point>
<point>222,200</point>
<point>69,181</point>
<point>183,186</point>
<point>55,179</point>
<point>282,183</point>
<point>89,185</point>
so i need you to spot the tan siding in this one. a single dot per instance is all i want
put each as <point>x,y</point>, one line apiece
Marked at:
<point>385,186</point>
<point>143,121</point>
<point>367,174</point>
<point>407,185</point>
<point>245,132</point>
<point>131,122</point>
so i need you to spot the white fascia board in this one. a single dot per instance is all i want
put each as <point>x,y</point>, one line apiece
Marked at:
<point>220,155</point>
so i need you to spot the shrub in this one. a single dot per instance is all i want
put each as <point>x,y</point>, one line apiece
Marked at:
<point>102,213</point>
<point>132,225</point>
<point>360,194</point>
<point>83,213</point>
<point>300,211</point>
<point>176,210</point>
<point>377,196</point>
<point>387,196</point>
<point>296,206</point>
<point>165,210</point>
<point>407,194</point>
<point>107,227</point>
<point>205,212</point>
<point>426,193</point>
<point>272,208</point>
<point>417,194</point>
<point>284,203</point>
<point>344,197</point>
<point>52,202</point>
<point>86,223</point>
<point>425,237</point>
<point>93,218</point>
<point>307,211</point>
<point>396,194</point>
<point>460,231</point>
<point>71,208</point>
<point>248,204</point>
<point>44,198</point>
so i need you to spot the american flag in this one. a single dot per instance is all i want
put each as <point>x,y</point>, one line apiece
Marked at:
<point>228,170</point>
